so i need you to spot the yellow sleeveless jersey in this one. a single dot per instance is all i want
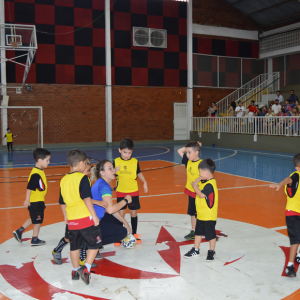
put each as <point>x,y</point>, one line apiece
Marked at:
<point>127,175</point>
<point>41,191</point>
<point>69,189</point>
<point>192,172</point>
<point>207,208</point>
<point>9,137</point>
<point>293,195</point>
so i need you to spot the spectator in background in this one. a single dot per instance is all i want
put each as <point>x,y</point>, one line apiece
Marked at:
<point>252,108</point>
<point>209,111</point>
<point>293,98</point>
<point>265,110</point>
<point>233,104</point>
<point>288,107</point>
<point>213,115</point>
<point>282,121</point>
<point>297,105</point>
<point>240,110</point>
<point>279,97</point>
<point>276,107</point>
<point>268,121</point>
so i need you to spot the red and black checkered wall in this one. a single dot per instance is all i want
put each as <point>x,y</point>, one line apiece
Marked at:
<point>71,42</point>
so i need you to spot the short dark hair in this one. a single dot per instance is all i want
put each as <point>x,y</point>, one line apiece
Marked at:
<point>126,144</point>
<point>40,153</point>
<point>252,101</point>
<point>278,91</point>
<point>276,99</point>
<point>207,164</point>
<point>75,156</point>
<point>240,102</point>
<point>287,100</point>
<point>296,160</point>
<point>194,145</point>
<point>7,129</point>
<point>292,91</point>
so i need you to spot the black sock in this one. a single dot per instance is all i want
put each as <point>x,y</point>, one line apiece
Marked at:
<point>82,254</point>
<point>134,222</point>
<point>21,229</point>
<point>61,245</point>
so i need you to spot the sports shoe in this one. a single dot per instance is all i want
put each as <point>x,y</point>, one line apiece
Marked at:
<point>192,253</point>
<point>290,271</point>
<point>18,235</point>
<point>297,259</point>
<point>117,244</point>
<point>210,256</point>
<point>75,275</point>
<point>82,263</point>
<point>98,256</point>
<point>57,258</point>
<point>37,242</point>
<point>190,236</point>
<point>84,274</point>
<point>138,240</point>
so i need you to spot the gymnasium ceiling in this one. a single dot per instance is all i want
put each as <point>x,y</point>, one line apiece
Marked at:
<point>269,13</point>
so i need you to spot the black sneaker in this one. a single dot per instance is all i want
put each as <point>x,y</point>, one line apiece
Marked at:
<point>37,242</point>
<point>57,258</point>
<point>210,256</point>
<point>192,253</point>
<point>75,275</point>
<point>190,236</point>
<point>18,235</point>
<point>290,271</point>
<point>297,259</point>
<point>84,274</point>
<point>98,256</point>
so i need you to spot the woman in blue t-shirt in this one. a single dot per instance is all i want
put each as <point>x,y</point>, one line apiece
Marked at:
<point>111,221</point>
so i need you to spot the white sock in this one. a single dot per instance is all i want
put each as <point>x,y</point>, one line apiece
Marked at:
<point>197,249</point>
<point>75,269</point>
<point>290,264</point>
<point>298,254</point>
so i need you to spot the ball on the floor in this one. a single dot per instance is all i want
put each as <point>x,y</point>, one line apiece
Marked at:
<point>129,241</point>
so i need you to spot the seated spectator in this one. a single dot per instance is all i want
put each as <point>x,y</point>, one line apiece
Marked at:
<point>252,108</point>
<point>265,110</point>
<point>276,107</point>
<point>279,97</point>
<point>293,124</point>
<point>259,113</point>
<point>288,107</point>
<point>268,121</point>
<point>297,105</point>
<point>282,121</point>
<point>295,110</point>
<point>293,98</point>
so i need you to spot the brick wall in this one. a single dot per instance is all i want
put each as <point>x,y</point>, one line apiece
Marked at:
<point>220,13</point>
<point>71,114</point>
<point>207,96</point>
<point>142,113</point>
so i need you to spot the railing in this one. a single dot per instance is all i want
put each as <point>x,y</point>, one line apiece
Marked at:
<point>289,126</point>
<point>263,84</point>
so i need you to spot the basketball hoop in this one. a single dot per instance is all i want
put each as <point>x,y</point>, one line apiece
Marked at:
<point>15,44</point>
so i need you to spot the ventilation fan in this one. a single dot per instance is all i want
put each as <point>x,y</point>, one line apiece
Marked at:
<point>149,37</point>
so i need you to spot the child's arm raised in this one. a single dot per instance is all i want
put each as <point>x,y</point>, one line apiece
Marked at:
<point>196,188</point>
<point>90,207</point>
<point>181,151</point>
<point>286,181</point>
<point>27,200</point>
<point>141,176</point>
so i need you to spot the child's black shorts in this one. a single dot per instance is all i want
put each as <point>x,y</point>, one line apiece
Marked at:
<point>36,211</point>
<point>192,207</point>
<point>293,228</point>
<point>67,235</point>
<point>86,238</point>
<point>207,229</point>
<point>134,205</point>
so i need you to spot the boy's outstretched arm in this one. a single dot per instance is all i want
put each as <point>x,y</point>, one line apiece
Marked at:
<point>181,151</point>
<point>90,207</point>
<point>141,176</point>
<point>277,186</point>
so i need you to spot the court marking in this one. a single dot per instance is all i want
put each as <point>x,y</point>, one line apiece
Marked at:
<point>159,195</point>
<point>235,152</point>
<point>278,228</point>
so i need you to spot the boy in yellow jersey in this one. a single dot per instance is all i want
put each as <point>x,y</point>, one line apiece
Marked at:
<point>128,170</point>
<point>83,223</point>
<point>191,160</point>
<point>292,213</point>
<point>9,139</point>
<point>35,197</point>
<point>206,190</point>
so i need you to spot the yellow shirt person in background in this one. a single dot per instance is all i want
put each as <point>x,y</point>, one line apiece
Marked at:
<point>9,139</point>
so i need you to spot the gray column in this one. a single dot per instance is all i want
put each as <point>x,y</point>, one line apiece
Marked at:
<point>108,94</point>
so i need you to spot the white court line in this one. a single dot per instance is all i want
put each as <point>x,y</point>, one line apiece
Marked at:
<point>148,196</point>
<point>278,228</point>
<point>235,152</point>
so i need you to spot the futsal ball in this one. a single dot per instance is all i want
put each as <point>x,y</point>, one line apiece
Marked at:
<point>129,241</point>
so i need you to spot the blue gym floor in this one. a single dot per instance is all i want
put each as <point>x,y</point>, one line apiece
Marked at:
<point>263,165</point>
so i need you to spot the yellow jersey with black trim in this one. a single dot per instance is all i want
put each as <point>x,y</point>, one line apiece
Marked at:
<point>39,191</point>
<point>69,189</point>
<point>192,173</point>
<point>207,208</point>
<point>127,175</point>
<point>293,194</point>
<point>9,137</point>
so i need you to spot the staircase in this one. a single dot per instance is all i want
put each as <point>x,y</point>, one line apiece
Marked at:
<point>261,89</point>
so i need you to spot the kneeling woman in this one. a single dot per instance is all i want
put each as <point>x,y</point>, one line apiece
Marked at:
<point>111,221</point>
